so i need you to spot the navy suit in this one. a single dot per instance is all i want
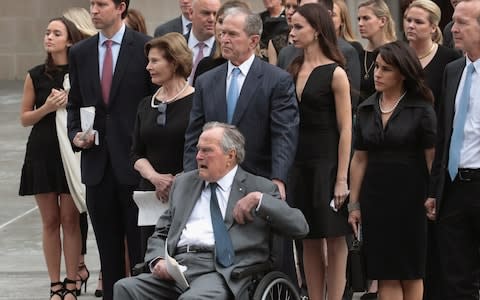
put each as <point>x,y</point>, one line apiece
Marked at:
<point>457,203</point>
<point>106,168</point>
<point>266,114</point>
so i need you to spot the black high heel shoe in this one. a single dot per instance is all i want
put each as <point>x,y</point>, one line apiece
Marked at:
<point>67,291</point>
<point>58,292</point>
<point>82,281</point>
<point>99,292</point>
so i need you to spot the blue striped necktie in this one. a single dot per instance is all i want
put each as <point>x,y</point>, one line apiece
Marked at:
<point>232,95</point>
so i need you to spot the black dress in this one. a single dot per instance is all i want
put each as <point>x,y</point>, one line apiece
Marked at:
<point>394,186</point>
<point>42,170</point>
<point>315,167</point>
<point>161,146</point>
<point>434,71</point>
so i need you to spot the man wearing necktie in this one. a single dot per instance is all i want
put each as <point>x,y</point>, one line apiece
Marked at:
<point>455,181</point>
<point>220,218</point>
<point>201,39</point>
<point>107,72</point>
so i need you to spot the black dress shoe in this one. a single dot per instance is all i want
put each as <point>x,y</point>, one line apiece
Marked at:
<point>367,296</point>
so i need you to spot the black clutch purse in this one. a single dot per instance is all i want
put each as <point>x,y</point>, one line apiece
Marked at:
<point>356,273</point>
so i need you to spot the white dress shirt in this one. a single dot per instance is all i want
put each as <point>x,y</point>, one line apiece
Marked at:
<point>185,22</point>
<point>470,151</point>
<point>102,49</point>
<point>192,44</point>
<point>244,68</point>
<point>198,230</point>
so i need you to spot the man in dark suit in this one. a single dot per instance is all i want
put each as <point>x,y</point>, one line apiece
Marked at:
<point>250,208</point>
<point>107,72</point>
<point>265,111</point>
<point>180,24</point>
<point>455,186</point>
<point>201,39</point>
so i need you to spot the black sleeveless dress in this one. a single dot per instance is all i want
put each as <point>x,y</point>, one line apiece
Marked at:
<point>315,168</point>
<point>42,170</point>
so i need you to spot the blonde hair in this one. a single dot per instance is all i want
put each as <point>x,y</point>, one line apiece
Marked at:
<point>381,10</point>
<point>82,20</point>
<point>434,16</point>
<point>346,31</point>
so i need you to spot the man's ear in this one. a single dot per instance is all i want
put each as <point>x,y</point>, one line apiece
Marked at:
<point>254,40</point>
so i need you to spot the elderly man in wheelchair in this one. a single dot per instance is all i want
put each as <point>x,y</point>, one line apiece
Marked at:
<point>219,225</point>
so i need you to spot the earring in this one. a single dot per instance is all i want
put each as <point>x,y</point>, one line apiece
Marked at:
<point>315,37</point>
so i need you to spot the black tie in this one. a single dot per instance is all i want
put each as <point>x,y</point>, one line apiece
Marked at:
<point>223,243</point>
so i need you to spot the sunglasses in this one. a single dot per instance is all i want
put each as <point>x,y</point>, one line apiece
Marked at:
<point>162,114</point>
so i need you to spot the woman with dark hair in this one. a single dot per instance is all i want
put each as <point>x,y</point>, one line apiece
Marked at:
<point>43,173</point>
<point>158,137</point>
<point>394,149</point>
<point>135,20</point>
<point>321,164</point>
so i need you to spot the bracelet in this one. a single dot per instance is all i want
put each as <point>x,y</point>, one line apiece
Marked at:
<point>353,206</point>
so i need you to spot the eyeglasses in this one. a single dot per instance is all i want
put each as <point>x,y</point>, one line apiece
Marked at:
<point>162,114</point>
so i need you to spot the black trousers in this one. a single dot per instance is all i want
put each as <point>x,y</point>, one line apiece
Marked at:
<point>459,240</point>
<point>114,216</point>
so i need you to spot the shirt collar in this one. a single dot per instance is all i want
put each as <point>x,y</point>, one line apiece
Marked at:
<point>116,38</point>
<point>225,183</point>
<point>193,41</point>
<point>244,67</point>
<point>185,22</point>
<point>476,64</point>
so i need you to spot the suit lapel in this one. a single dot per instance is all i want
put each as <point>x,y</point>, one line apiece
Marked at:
<point>218,95</point>
<point>252,81</point>
<point>451,95</point>
<point>92,64</point>
<point>237,192</point>
<point>122,63</point>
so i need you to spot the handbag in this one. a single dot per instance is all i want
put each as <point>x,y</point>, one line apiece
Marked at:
<point>356,272</point>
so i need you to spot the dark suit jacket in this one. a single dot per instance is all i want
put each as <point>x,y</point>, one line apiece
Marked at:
<point>174,25</point>
<point>266,114</point>
<point>115,122</point>
<point>251,241</point>
<point>451,79</point>
<point>289,53</point>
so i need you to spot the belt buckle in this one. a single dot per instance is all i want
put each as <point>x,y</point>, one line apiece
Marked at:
<point>190,251</point>
<point>461,177</point>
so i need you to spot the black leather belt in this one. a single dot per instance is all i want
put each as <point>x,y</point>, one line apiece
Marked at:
<point>193,249</point>
<point>468,175</point>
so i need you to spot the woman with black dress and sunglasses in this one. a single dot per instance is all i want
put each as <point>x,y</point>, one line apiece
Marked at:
<point>158,138</point>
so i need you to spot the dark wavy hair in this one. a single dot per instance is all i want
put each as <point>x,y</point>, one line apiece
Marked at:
<point>73,36</point>
<point>403,57</point>
<point>320,20</point>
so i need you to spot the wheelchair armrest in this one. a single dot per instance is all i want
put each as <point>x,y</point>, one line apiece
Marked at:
<point>242,272</point>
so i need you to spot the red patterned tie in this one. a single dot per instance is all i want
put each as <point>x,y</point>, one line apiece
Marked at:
<point>107,71</point>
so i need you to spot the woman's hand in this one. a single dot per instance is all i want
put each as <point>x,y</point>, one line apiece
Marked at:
<point>162,183</point>
<point>56,99</point>
<point>355,219</point>
<point>340,193</point>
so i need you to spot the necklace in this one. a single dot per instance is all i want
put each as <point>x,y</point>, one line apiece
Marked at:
<point>428,53</point>
<point>380,100</point>
<point>367,70</point>
<point>167,100</point>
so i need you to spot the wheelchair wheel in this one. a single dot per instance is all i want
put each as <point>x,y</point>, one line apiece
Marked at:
<point>275,285</point>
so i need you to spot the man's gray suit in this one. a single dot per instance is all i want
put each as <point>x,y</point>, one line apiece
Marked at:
<point>174,25</point>
<point>251,241</point>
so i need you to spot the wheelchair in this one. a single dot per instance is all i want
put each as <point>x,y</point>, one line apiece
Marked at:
<point>265,284</point>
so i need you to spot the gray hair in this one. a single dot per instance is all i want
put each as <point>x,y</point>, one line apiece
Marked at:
<point>253,22</point>
<point>232,139</point>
